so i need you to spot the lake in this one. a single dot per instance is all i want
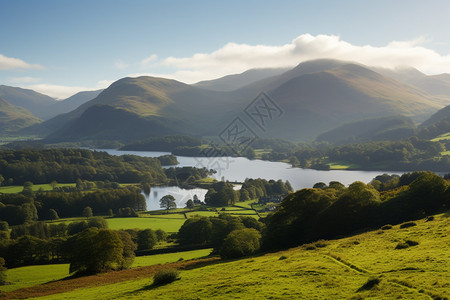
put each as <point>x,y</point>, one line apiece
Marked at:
<point>237,169</point>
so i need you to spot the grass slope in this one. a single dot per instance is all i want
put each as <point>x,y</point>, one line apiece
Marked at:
<point>13,118</point>
<point>338,269</point>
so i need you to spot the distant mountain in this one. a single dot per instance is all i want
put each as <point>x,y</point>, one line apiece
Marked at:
<point>104,122</point>
<point>315,97</point>
<point>38,104</point>
<point>437,85</point>
<point>320,95</point>
<point>13,118</point>
<point>386,128</point>
<point>233,82</point>
<point>167,105</point>
<point>437,124</point>
<point>71,103</point>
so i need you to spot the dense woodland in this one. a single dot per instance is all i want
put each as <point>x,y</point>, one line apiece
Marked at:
<point>68,165</point>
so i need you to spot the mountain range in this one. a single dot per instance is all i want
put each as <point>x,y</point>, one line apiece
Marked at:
<point>314,97</point>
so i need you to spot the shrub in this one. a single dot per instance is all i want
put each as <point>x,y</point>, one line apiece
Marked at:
<point>165,276</point>
<point>431,218</point>
<point>283,257</point>
<point>370,284</point>
<point>401,246</point>
<point>412,243</point>
<point>408,224</point>
<point>386,227</point>
<point>240,243</point>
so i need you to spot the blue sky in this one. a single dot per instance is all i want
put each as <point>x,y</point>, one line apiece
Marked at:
<point>61,47</point>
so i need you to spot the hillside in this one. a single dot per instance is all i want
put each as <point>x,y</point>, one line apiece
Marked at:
<point>236,81</point>
<point>38,104</point>
<point>13,118</point>
<point>378,129</point>
<point>369,265</point>
<point>71,103</point>
<point>438,124</point>
<point>314,97</point>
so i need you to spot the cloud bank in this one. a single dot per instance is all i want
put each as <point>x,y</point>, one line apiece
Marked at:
<point>10,63</point>
<point>237,58</point>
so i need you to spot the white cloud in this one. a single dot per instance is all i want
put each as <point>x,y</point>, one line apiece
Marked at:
<point>149,59</point>
<point>236,58</point>
<point>63,92</point>
<point>9,63</point>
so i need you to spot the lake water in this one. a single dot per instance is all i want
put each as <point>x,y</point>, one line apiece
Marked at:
<point>237,169</point>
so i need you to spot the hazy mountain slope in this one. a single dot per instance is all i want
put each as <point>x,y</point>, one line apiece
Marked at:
<point>316,102</point>
<point>13,118</point>
<point>236,81</point>
<point>386,128</point>
<point>177,107</point>
<point>105,122</point>
<point>71,103</point>
<point>38,104</point>
<point>437,85</point>
<point>315,97</point>
<point>437,124</point>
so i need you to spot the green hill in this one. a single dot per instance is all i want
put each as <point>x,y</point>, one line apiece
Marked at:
<point>437,124</point>
<point>13,118</point>
<point>378,129</point>
<point>314,97</point>
<point>37,103</point>
<point>365,266</point>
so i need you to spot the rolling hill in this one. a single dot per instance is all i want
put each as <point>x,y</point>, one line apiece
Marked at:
<point>386,128</point>
<point>38,104</point>
<point>13,118</point>
<point>314,97</point>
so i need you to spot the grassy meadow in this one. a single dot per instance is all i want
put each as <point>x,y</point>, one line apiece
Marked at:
<point>370,265</point>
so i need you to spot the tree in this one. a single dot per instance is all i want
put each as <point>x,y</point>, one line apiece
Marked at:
<point>53,184</point>
<point>168,202</point>
<point>196,200</point>
<point>161,235</point>
<point>87,212</point>
<point>95,250</point>
<point>146,239</point>
<point>97,222</point>
<point>52,214</point>
<point>240,243</point>
<point>190,204</point>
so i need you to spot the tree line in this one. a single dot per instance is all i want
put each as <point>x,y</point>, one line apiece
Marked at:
<point>68,165</point>
<point>329,211</point>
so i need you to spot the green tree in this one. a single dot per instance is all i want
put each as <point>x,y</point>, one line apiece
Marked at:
<point>52,214</point>
<point>161,235</point>
<point>87,212</point>
<point>53,184</point>
<point>95,250</point>
<point>97,222</point>
<point>146,239</point>
<point>129,248</point>
<point>190,204</point>
<point>240,243</point>
<point>167,202</point>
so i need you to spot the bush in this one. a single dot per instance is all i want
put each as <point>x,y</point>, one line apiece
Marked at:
<point>408,224</point>
<point>240,243</point>
<point>386,227</point>
<point>165,276</point>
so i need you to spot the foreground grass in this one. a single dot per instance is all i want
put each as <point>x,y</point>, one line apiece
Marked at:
<point>34,275</point>
<point>337,269</point>
<point>149,260</point>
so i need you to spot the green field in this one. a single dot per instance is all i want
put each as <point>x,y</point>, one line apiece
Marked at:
<point>34,275</point>
<point>150,260</point>
<point>36,187</point>
<point>166,224</point>
<point>337,269</point>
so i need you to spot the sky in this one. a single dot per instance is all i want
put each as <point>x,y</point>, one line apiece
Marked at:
<point>61,47</point>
